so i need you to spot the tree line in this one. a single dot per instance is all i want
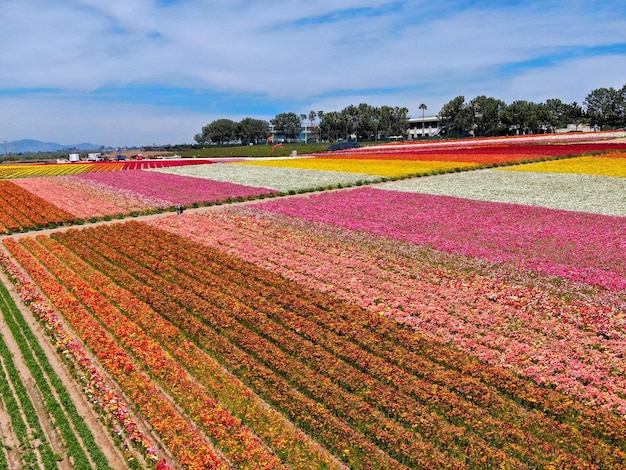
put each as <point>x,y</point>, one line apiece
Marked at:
<point>604,108</point>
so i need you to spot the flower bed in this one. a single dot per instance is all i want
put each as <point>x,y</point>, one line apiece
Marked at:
<point>579,246</point>
<point>86,199</point>
<point>504,152</point>
<point>381,168</point>
<point>610,164</point>
<point>571,192</point>
<point>45,170</point>
<point>22,210</point>
<point>174,189</point>
<point>374,393</point>
<point>574,345</point>
<point>278,179</point>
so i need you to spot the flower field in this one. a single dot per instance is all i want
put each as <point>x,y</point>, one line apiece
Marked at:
<point>39,170</point>
<point>22,210</point>
<point>279,177</point>
<point>609,164</point>
<point>471,317</point>
<point>390,168</point>
<point>41,202</point>
<point>27,423</point>
<point>160,312</point>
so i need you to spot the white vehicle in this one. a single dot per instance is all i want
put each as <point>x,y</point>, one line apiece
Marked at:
<point>94,157</point>
<point>74,157</point>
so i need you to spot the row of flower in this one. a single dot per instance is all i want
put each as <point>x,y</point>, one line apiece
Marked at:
<point>608,164</point>
<point>79,444</point>
<point>379,394</point>
<point>576,245</point>
<point>574,345</point>
<point>22,210</point>
<point>138,449</point>
<point>26,429</point>
<point>43,170</point>
<point>505,153</point>
<point>46,170</point>
<point>87,199</point>
<point>570,138</point>
<point>277,177</point>
<point>182,439</point>
<point>308,414</point>
<point>41,202</point>
<point>390,168</point>
<point>277,433</point>
<point>565,191</point>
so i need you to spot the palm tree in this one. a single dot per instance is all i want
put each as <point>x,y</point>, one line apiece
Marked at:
<point>320,115</point>
<point>312,115</point>
<point>423,107</point>
<point>302,119</point>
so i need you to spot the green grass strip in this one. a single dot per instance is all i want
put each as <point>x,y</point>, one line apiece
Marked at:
<point>17,399</point>
<point>63,410</point>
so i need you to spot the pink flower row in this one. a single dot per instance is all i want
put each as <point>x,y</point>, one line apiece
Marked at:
<point>86,199</point>
<point>584,247</point>
<point>172,188</point>
<point>575,345</point>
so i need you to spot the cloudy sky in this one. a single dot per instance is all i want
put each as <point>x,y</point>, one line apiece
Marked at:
<point>142,72</point>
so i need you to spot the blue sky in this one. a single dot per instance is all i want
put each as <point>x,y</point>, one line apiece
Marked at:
<point>143,72</point>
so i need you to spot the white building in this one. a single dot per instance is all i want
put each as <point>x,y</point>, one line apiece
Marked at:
<point>419,127</point>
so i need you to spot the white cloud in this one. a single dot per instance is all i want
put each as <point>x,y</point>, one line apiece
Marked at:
<point>316,55</point>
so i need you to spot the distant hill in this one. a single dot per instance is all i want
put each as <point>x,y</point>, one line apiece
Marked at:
<point>36,146</point>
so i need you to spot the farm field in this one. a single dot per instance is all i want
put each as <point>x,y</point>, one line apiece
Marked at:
<point>10,171</point>
<point>461,306</point>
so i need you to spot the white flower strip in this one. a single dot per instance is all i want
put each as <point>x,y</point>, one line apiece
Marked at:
<point>277,178</point>
<point>604,195</point>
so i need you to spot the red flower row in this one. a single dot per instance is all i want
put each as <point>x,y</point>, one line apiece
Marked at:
<point>485,154</point>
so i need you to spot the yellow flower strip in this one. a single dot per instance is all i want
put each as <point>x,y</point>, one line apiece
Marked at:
<point>30,171</point>
<point>387,168</point>
<point>602,166</point>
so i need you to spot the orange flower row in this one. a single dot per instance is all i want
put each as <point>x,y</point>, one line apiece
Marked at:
<point>20,209</point>
<point>288,442</point>
<point>183,440</point>
<point>347,443</point>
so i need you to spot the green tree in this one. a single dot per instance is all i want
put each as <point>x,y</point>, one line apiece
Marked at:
<point>368,117</point>
<point>287,124</point>
<point>606,106</point>
<point>334,124</point>
<point>487,112</point>
<point>400,120</point>
<point>453,118</point>
<point>252,130</point>
<point>385,120</point>
<point>558,112</point>
<point>219,131</point>
<point>526,117</point>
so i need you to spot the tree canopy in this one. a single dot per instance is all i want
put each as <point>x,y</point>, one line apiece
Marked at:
<point>219,131</point>
<point>288,124</point>
<point>481,116</point>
